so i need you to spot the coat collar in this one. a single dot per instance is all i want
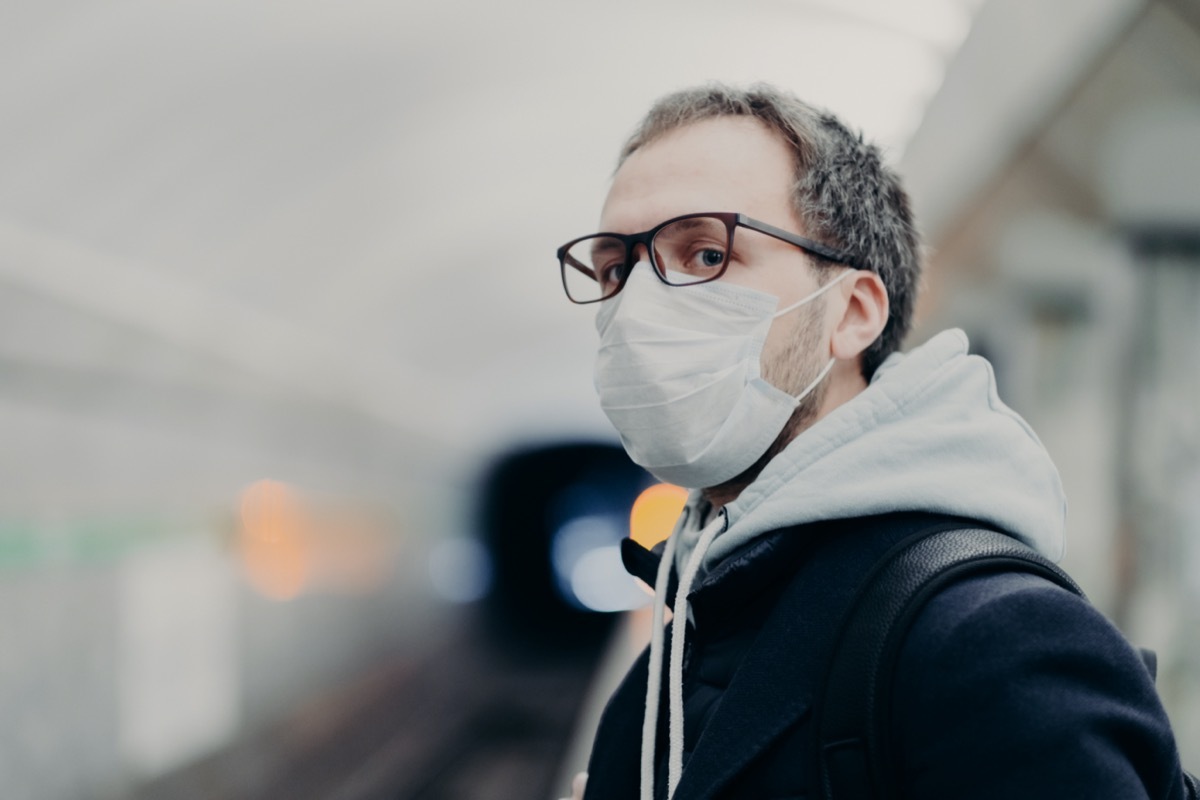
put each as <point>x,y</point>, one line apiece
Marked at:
<point>760,699</point>
<point>736,579</point>
<point>775,686</point>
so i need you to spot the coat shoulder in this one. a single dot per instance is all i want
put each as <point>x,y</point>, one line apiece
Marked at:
<point>1008,685</point>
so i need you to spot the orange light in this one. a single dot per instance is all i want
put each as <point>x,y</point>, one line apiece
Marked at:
<point>350,551</point>
<point>655,512</point>
<point>274,540</point>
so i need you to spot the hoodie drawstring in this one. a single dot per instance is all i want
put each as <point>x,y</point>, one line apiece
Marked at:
<point>678,640</point>
<point>654,676</point>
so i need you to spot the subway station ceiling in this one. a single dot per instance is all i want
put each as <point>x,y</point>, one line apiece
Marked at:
<point>316,239</point>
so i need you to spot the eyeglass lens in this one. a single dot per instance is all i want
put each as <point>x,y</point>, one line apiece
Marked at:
<point>687,251</point>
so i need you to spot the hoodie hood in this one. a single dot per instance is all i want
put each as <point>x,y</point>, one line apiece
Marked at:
<point>929,433</point>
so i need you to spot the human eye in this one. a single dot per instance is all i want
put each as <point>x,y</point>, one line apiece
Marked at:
<point>704,260</point>
<point>605,258</point>
<point>612,273</point>
<point>709,258</point>
<point>696,246</point>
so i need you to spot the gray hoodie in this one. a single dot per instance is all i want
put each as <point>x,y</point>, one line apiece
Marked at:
<point>928,434</point>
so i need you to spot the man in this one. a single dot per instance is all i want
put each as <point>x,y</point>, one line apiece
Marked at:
<point>754,282</point>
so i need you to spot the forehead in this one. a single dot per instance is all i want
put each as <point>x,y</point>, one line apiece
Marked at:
<point>720,164</point>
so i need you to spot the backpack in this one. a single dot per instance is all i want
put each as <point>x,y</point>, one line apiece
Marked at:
<point>854,762</point>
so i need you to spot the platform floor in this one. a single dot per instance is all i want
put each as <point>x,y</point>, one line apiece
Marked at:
<point>468,720</point>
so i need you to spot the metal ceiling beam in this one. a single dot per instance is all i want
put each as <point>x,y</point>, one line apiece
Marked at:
<point>1018,64</point>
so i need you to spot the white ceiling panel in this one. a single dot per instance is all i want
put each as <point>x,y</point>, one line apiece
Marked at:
<point>357,203</point>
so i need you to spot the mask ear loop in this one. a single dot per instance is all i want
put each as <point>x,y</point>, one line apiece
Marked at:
<point>816,381</point>
<point>824,372</point>
<point>814,295</point>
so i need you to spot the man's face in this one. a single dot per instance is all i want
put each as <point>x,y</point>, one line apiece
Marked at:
<point>732,164</point>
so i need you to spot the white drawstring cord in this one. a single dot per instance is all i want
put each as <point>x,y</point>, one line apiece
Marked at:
<point>678,635</point>
<point>654,677</point>
<point>678,641</point>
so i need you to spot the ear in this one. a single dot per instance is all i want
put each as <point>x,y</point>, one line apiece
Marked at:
<point>864,316</point>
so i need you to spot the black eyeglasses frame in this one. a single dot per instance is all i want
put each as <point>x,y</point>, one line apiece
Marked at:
<point>732,220</point>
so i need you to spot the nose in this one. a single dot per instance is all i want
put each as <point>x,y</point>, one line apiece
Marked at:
<point>640,252</point>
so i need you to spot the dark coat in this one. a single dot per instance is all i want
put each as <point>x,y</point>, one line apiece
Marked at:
<point>1007,687</point>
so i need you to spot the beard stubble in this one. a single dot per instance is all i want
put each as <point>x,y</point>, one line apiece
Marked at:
<point>791,370</point>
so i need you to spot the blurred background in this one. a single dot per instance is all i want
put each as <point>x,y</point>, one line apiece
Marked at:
<point>304,491</point>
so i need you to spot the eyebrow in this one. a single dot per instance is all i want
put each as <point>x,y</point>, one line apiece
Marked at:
<point>600,246</point>
<point>694,222</point>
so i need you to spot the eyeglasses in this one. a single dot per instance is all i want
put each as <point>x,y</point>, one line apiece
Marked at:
<point>684,251</point>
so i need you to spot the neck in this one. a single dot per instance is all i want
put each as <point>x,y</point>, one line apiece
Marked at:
<point>725,493</point>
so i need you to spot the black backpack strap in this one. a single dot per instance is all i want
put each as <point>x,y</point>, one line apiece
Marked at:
<point>854,758</point>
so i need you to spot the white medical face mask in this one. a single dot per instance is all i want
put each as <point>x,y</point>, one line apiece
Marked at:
<point>679,376</point>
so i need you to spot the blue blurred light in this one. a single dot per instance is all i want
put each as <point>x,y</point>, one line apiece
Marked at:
<point>599,582</point>
<point>586,557</point>
<point>460,570</point>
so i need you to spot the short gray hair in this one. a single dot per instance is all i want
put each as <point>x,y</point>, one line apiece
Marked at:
<point>842,190</point>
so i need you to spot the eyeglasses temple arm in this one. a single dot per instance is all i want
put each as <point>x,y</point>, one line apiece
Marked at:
<point>567,259</point>
<point>804,244</point>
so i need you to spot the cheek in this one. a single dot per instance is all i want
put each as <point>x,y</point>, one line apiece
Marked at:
<point>781,273</point>
<point>797,341</point>
<point>780,339</point>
